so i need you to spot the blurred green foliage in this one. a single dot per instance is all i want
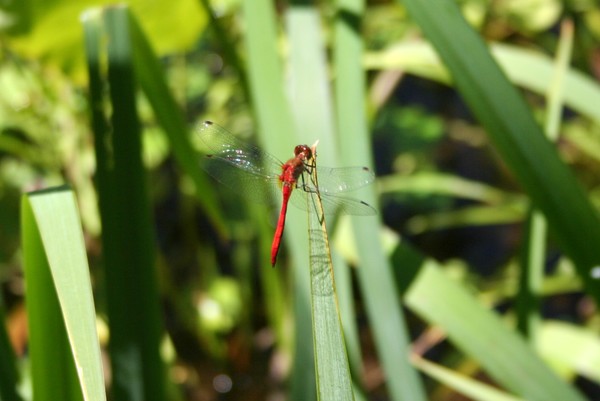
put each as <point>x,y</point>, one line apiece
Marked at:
<point>444,186</point>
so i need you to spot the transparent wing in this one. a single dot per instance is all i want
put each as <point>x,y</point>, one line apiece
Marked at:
<point>355,207</point>
<point>243,155</point>
<point>252,173</point>
<point>249,185</point>
<point>333,203</point>
<point>334,180</point>
<point>242,167</point>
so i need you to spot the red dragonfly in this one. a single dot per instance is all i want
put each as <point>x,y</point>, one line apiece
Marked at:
<point>250,171</point>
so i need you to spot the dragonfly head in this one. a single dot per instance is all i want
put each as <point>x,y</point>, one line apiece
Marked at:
<point>303,152</point>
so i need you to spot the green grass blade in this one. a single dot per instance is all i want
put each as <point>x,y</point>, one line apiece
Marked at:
<point>534,70</point>
<point>309,82</point>
<point>475,390</point>
<point>527,68</point>
<point>556,92</point>
<point>502,353</point>
<point>265,75</point>
<point>579,351</point>
<point>150,75</point>
<point>58,287</point>
<point>127,233</point>
<point>310,102</point>
<point>534,250</point>
<point>509,213</point>
<point>376,282</point>
<point>532,270</point>
<point>345,295</point>
<point>332,369</point>
<point>275,124</point>
<point>519,140</point>
<point>443,184</point>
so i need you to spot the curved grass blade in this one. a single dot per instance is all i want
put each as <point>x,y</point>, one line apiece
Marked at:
<point>502,353</point>
<point>443,184</point>
<point>524,67</point>
<point>381,297</point>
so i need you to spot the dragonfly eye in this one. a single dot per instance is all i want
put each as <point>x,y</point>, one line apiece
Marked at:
<point>303,151</point>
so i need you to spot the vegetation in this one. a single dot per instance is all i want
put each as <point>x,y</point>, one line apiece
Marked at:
<point>479,278</point>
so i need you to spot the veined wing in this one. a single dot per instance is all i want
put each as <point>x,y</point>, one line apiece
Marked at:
<point>242,167</point>
<point>243,155</point>
<point>334,180</point>
<point>333,203</point>
<point>253,185</point>
<point>252,172</point>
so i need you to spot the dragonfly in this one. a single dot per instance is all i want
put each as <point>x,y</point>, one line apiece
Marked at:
<point>252,172</point>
